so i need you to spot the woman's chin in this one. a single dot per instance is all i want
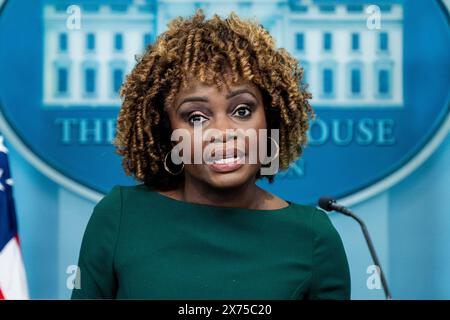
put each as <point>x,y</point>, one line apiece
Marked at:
<point>229,177</point>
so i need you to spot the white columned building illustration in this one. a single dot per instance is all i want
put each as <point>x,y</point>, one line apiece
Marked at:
<point>346,63</point>
<point>86,66</point>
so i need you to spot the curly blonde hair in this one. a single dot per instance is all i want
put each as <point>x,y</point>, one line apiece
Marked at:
<point>207,49</point>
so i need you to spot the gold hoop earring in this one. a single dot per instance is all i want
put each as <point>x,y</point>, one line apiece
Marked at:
<point>167,168</point>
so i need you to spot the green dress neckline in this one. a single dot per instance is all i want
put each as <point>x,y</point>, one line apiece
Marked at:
<point>211,206</point>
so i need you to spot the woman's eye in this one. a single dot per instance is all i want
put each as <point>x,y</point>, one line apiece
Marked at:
<point>243,112</point>
<point>196,118</point>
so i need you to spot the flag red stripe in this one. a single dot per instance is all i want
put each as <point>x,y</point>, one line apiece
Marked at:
<point>17,239</point>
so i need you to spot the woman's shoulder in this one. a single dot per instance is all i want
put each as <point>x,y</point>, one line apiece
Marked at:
<point>132,198</point>
<point>137,188</point>
<point>110,199</point>
<point>123,192</point>
<point>107,210</point>
<point>317,220</point>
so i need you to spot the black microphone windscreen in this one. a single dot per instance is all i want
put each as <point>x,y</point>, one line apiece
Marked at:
<point>326,203</point>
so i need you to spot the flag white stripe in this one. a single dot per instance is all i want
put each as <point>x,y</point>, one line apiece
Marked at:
<point>13,282</point>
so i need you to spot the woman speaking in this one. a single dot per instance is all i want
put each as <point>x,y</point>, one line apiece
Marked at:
<point>204,229</point>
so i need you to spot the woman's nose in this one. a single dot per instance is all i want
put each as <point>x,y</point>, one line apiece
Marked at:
<point>226,127</point>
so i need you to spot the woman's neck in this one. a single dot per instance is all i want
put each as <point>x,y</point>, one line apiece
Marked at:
<point>247,195</point>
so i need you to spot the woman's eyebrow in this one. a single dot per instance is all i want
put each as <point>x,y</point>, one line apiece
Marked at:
<point>239,91</point>
<point>189,99</point>
<point>205,99</point>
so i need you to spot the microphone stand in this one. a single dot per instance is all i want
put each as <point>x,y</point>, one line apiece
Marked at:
<point>334,206</point>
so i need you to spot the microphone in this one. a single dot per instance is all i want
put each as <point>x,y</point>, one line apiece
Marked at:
<point>329,204</point>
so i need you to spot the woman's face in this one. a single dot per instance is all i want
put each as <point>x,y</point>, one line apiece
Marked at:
<point>240,108</point>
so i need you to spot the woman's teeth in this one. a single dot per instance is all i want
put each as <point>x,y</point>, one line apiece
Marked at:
<point>227,160</point>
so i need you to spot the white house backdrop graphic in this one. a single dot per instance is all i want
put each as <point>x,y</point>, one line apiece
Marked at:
<point>346,64</point>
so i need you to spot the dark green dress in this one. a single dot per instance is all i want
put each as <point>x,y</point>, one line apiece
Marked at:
<point>140,244</point>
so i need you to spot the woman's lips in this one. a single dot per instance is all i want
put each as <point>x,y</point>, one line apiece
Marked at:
<point>231,160</point>
<point>225,167</point>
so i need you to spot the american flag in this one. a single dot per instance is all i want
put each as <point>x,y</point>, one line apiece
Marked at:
<point>13,284</point>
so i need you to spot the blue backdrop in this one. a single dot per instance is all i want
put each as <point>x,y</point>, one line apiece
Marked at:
<point>379,72</point>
